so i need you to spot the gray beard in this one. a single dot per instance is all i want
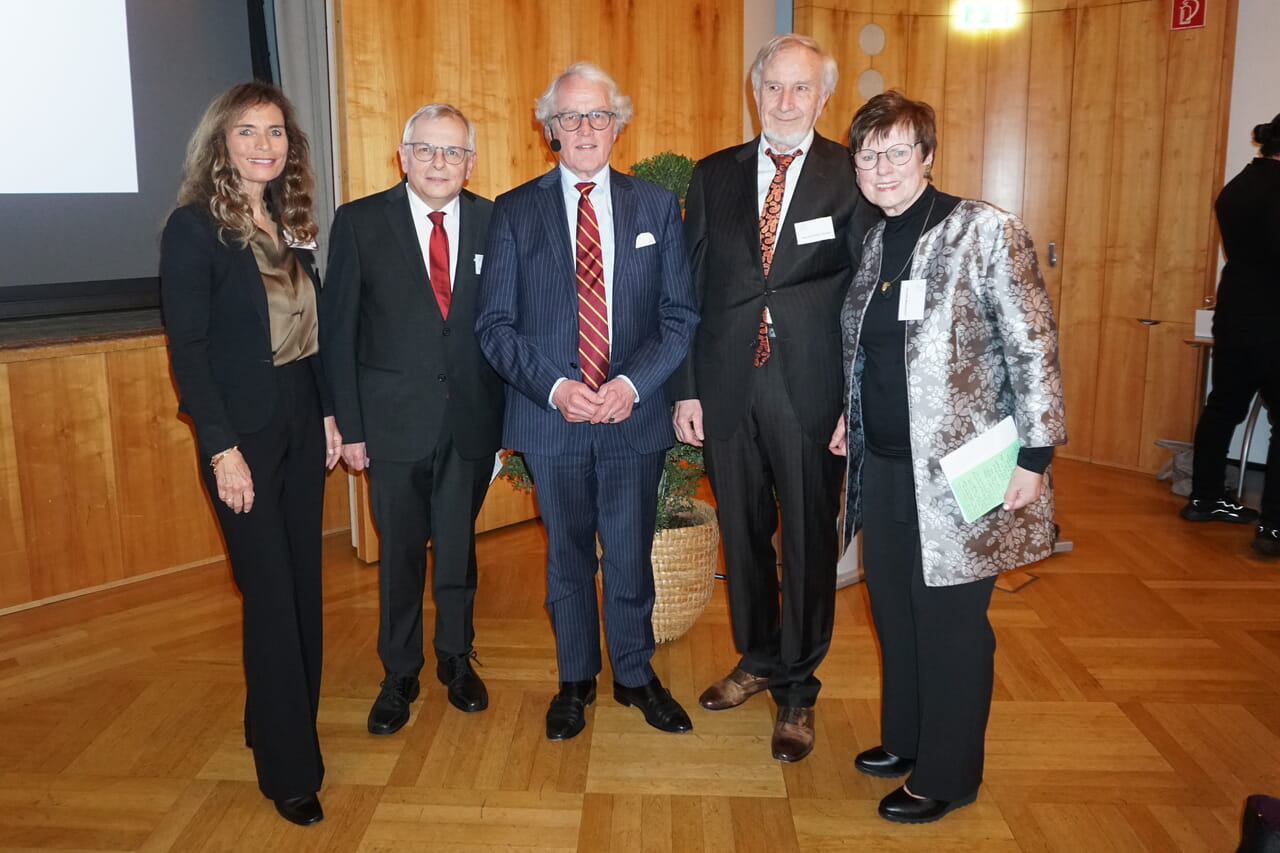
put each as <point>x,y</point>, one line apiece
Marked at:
<point>786,143</point>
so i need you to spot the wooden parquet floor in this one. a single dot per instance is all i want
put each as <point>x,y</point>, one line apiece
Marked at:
<point>1137,704</point>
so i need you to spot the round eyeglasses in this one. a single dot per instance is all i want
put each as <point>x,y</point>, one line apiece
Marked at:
<point>571,121</point>
<point>425,152</point>
<point>866,159</point>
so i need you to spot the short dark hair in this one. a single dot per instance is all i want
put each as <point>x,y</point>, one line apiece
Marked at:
<point>891,109</point>
<point>1268,136</point>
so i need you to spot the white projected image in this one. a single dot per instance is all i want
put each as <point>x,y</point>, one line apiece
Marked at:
<point>68,104</point>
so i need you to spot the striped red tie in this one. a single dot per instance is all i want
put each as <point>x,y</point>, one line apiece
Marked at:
<point>593,323</point>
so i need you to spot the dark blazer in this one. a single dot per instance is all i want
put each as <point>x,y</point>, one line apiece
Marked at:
<point>805,289</point>
<point>215,316</point>
<point>527,320</point>
<point>400,372</point>
<point>1248,210</point>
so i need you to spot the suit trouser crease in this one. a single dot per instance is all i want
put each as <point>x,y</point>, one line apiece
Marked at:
<point>610,489</point>
<point>937,649</point>
<point>437,499</point>
<point>1238,373</point>
<point>783,637</point>
<point>275,555</point>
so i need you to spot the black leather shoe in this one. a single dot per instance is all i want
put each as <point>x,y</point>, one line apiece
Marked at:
<point>390,710</point>
<point>901,807</point>
<point>466,690</point>
<point>303,811</point>
<point>567,715</point>
<point>877,762</point>
<point>660,710</point>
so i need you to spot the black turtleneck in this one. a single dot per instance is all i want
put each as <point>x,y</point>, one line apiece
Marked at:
<point>884,340</point>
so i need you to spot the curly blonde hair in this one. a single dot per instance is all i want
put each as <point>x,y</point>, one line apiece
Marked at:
<point>209,178</point>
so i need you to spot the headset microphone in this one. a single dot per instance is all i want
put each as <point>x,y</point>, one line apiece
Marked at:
<point>555,143</point>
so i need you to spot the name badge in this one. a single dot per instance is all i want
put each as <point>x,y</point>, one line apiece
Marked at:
<point>911,299</point>
<point>815,230</point>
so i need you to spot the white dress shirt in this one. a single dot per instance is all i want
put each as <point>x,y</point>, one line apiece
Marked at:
<point>765,170</point>
<point>422,225</point>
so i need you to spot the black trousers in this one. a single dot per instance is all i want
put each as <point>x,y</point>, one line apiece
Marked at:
<point>769,466</point>
<point>1238,373</point>
<point>436,498</point>
<point>274,551</point>
<point>937,649</point>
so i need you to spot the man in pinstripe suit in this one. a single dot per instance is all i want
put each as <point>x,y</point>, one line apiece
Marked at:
<point>585,308</point>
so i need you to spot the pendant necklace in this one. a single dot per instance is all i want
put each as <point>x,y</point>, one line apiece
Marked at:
<point>885,285</point>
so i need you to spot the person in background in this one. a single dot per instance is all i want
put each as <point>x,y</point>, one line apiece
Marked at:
<point>1246,343</point>
<point>948,330</point>
<point>416,402</point>
<point>238,289</point>
<point>585,309</point>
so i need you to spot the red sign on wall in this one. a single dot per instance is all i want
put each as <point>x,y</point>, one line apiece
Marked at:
<point>1188,14</point>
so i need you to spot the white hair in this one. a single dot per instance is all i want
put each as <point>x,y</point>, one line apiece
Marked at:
<point>777,44</point>
<point>544,108</point>
<point>431,111</point>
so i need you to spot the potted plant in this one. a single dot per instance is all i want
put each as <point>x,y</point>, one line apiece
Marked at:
<point>686,537</point>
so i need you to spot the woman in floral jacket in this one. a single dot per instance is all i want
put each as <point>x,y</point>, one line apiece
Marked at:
<point>948,330</point>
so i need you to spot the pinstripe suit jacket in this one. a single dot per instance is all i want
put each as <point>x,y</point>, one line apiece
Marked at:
<point>527,313</point>
<point>804,290</point>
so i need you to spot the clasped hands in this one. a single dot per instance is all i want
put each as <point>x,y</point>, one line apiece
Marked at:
<point>577,403</point>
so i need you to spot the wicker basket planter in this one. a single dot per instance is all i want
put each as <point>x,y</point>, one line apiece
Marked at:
<point>684,570</point>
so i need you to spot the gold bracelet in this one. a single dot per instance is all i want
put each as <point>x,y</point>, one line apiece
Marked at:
<point>217,457</point>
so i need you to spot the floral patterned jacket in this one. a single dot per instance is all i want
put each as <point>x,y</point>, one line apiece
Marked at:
<point>986,349</point>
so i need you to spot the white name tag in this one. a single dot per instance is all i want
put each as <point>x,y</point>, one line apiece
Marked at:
<point>815,230</point>
<point>479,259</point>
<point>911,299</point>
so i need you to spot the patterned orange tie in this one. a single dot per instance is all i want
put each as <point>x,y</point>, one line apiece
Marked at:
<point>769,217</point>
<point>593,322</point>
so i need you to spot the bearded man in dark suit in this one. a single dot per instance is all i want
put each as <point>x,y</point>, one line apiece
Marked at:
<point>775,230</point>
<point>421,407</point>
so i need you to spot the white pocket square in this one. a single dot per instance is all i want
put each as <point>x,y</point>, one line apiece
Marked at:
<point>644,238</point>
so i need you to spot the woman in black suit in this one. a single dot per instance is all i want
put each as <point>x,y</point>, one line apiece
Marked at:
<point>239,288</point>
<point>1246,348</point>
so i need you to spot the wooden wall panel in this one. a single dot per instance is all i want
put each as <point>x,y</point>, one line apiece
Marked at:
<point>680,61</point>
<point>1049,82</point>
<point>164,512</point>
<point>15,580</point>
<point>99,480</point>
<point>957,166</point>
<point>1169,404</point>
<point>1084,239</point>
<point>1004,149</point>
<point>69,496</point>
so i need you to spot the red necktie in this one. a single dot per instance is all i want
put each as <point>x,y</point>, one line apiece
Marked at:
<point>438,261</point>
<point>593,322</point>
<point>769,217</point>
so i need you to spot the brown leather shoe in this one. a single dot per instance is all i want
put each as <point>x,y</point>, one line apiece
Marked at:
<point>793,733</point>
<point>732,690</point>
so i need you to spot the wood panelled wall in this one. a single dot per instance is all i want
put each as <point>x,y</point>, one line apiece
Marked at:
<point>680,61</point>
<point>99,481</point>
<point>1105,131</point>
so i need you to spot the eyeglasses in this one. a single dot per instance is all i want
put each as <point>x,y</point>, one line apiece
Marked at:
<point>866,159</point>
<point>571,121</point>
<point>425,152</point>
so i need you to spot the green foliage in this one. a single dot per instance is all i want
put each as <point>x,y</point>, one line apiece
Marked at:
<point>668,170</point>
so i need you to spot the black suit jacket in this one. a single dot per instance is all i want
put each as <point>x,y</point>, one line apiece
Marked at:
<point>804,291</point>
<point>215,315</point>
<point>401,374</point>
